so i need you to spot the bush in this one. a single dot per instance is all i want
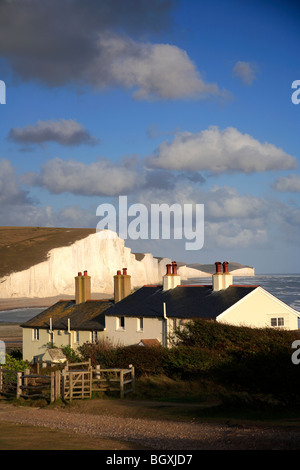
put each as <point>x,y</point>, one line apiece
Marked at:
<point>146,360</point>
<point>15,364</point>
<point>245,359</point>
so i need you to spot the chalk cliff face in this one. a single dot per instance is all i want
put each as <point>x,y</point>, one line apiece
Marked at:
<point>101,256</point>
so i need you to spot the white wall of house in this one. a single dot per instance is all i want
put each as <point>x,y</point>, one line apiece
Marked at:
<point>261,309</point>
<point>130,330</point>
<point>35,340</point>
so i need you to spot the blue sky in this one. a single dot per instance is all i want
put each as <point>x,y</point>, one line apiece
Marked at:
<point>165,102</point>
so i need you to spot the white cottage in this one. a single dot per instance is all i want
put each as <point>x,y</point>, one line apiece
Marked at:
<point>152,312</point>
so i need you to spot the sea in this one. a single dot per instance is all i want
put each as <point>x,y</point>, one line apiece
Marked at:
<point>285,287</point>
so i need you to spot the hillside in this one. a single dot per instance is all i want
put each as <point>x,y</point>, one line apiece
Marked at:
<point>42,262</point>
<point>23,247</point>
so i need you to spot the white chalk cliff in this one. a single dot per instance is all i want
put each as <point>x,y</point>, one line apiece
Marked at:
<point>102,255</point>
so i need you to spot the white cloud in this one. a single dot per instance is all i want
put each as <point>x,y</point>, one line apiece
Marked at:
<point>234,235</point>
<point>94,179</point>
<point>154,71</point>
<point>227,203</point>
<point>64,132</point>
<point>10,191</point>
<point>289,183</point>
<point>61,43</point>
<point>219,151</point>
<point>245,71</point>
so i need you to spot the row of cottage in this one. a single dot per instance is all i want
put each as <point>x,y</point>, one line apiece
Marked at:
<point>149,314</point>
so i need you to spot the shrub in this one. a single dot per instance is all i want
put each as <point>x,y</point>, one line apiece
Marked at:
<point>15,364</point>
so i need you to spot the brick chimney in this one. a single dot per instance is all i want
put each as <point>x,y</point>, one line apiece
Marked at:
<point>227,276</point>
<point>171,279</point>
<point>122,285</point>
<point>221,280</point>
<point>82,287</point>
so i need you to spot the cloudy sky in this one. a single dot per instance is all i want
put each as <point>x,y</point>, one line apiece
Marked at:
<point>168,101</point>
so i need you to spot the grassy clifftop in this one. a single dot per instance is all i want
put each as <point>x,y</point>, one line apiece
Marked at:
<point>22,247</point>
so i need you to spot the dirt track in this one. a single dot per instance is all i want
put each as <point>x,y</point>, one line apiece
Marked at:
<point>102,421</point>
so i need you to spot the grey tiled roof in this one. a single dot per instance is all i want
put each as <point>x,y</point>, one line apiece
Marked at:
<point>88,315</point>
<point>181,302</point>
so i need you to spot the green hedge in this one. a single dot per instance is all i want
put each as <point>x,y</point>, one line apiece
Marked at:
<point>251,359</point>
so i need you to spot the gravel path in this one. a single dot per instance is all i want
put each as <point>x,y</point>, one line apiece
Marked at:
<point>157,434</point>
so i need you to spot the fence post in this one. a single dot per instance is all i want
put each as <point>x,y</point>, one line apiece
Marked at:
<point>63,384</point>
<point>19,383</point>
<point>71,385</point>
<point>26,372</point>
<point>121,383</point>
<point>57,384</point>
<point>132,376</point>
<point>52,385</point>
<point>97,374</point>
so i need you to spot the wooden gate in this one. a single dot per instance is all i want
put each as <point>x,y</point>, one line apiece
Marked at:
<point>76,384</point>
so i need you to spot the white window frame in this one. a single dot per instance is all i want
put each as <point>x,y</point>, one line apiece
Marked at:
<point>140,324</point>
<point>35,334</point>
<point>94,336</point>
<point>278,320</point>
<point>119,325</point>
<point>76,336</point>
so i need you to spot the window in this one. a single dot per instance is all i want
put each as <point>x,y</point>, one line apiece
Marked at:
<point>140,324</point>
<point>120,323</point>
<point>94,336</point>
<point>51,336</point>
<point>76,336</point>
<point>36,334</point>
<point>277,321</point>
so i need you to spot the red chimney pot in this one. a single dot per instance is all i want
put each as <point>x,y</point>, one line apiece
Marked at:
<point>218,266</point>
<point>174,267</point>
<point>119,273</point>
<point>168,268</point>
<point>124,271</point>
<point>225,267</point>
<point>79,274</point>
<point>85,273</point>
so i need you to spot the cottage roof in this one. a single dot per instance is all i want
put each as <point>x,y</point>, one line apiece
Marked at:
<point>84,316</point>
<point>55,355</point>
<point>184,301</point>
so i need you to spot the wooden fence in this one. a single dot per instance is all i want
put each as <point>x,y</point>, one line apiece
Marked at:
<point>14,384</point>
<point>68,384</point>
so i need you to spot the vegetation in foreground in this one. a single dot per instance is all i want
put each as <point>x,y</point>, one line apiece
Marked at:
<point>227,368</point>
<point>215,361</point>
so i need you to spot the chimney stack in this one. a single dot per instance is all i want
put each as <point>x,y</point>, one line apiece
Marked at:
<point>227,276</point>
<point>217,278</point>
<point>221,280</point>
<point>171,279</point>
<point>82,287</point>
<point>122,285</point>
